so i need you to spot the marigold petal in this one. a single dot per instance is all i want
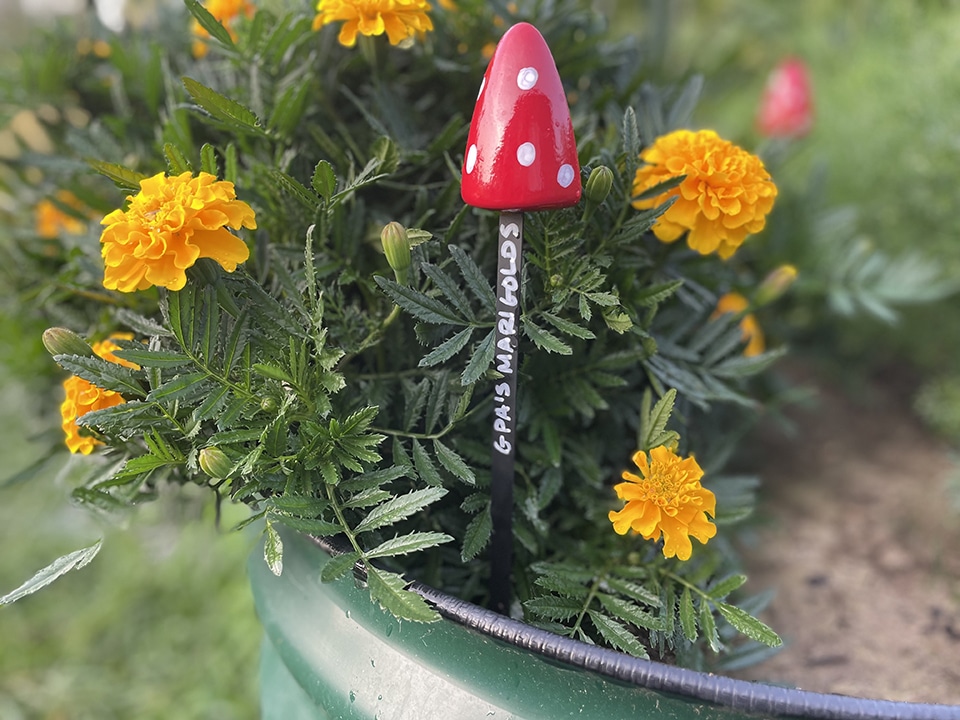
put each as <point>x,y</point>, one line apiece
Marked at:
<point>223,246</point>
<point>726,188</point>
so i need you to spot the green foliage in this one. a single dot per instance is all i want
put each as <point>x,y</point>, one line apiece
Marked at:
<point>340,401</point>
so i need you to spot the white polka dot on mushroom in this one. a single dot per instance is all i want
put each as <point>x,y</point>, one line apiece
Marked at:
<point>527,78</point>
<point>565,175</point>
<point>471,159</point>
<point>526,154</point>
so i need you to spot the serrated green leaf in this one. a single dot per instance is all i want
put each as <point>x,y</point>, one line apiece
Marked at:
<point>319,528</point>
<point>273,372</point>
<point>209,23</point>
<point>688,616</point>
<point>180,386</point>
<point>422,307</point>
<point>709,627</point>
<point>655,423</point>
<point>177,162</point>
<point>568,328</point>
<point>744,366</point>
<point>297,189</point>
<point>450,289</point>
<point>618,635</point>
<point>482,357</point>
<point>366,498</point>
<point>447,349</point>
<point>745,623</point>
<point>399,508</point>
<point>545,340</point>
<point>153,358</point>
<point>299,505</point>
<point>631,613</point>
<point>208,159</point>
<point>727,586</point>
<point>656,294</point>
<point>454,463</point>
<point>388,590</point>
<point>221,107</point>
<point>122,177</point>
<point>563,586</point>
<point>475,279</point>
<point>338,566</point>
<point>412,542</point>
<point>55,570</point>
<point>477,534</point>
<point>143,464</point>
<point>273,550</point>
<point>554,607</point>
<point>424,465</point>
<point>103,374</point>
<point>324,181</point>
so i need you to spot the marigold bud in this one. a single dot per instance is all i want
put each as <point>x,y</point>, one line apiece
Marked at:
<point>598,185</point>
<point>396,246</point>
<point>775,284</point>
<point>60,341</point>
<point>215,463</point>
<point>268,404</point>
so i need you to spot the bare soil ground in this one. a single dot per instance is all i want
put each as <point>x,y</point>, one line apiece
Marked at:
<point>862,546</point>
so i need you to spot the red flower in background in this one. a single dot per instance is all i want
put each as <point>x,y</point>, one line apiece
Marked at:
<point>786,109</point>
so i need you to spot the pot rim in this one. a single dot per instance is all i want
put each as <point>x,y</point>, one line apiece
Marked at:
<point>741,695</point>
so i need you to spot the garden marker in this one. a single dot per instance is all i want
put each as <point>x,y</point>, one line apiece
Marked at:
<point>521,155</point>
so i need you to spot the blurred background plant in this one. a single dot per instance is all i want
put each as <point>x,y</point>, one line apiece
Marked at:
<point>874,178</point>
<point>885,193</point>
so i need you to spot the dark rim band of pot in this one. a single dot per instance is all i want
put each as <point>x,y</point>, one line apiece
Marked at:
<point>741,695</point>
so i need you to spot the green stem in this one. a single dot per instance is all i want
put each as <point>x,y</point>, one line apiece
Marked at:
<point>594,588</point>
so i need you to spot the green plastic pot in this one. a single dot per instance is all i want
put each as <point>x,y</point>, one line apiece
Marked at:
<point>330,653</point>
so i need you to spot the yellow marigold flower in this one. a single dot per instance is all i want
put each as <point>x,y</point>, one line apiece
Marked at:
<point>750,329</point>
<point>400,19</point>
<point>51,220</point>
<point>83,396</point>
<point>448,4</point>
<point>225,11</point>
<point>726,195</point>
<point>167,226</point>
<point>666,498</point>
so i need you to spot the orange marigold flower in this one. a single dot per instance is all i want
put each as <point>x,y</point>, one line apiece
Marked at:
<point>83,396</point>
<point>750,329</point>
<point>167,226</point>
<point>666,498</point>
<point>51,220</point>
<point>225,11</point>
<point>400,19</point>
<point>725,196</point>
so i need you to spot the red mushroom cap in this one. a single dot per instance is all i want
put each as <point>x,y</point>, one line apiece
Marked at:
<point>521,152</point>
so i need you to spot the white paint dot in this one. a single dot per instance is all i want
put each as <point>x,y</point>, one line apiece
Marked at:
<point>483,84</point>
<point>526,154</point>
<point>471,158</point>
<point>565,175</point>
<point>527,78</point>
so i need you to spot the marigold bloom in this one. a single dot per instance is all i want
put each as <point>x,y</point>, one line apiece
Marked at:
<point>51,220</point>
<point>167,226</point>
<point>400,19</point>
<point>225,11</point>
<point>725,196</point>
<point>666,498</point>
<point>83,396</point>
<point>786,108</point>
<point>750,329</point>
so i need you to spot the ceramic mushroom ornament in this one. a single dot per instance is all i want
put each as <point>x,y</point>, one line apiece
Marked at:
<point>521,155</point>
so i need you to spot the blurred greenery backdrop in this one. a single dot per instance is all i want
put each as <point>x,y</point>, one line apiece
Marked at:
<point>129,636</point>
